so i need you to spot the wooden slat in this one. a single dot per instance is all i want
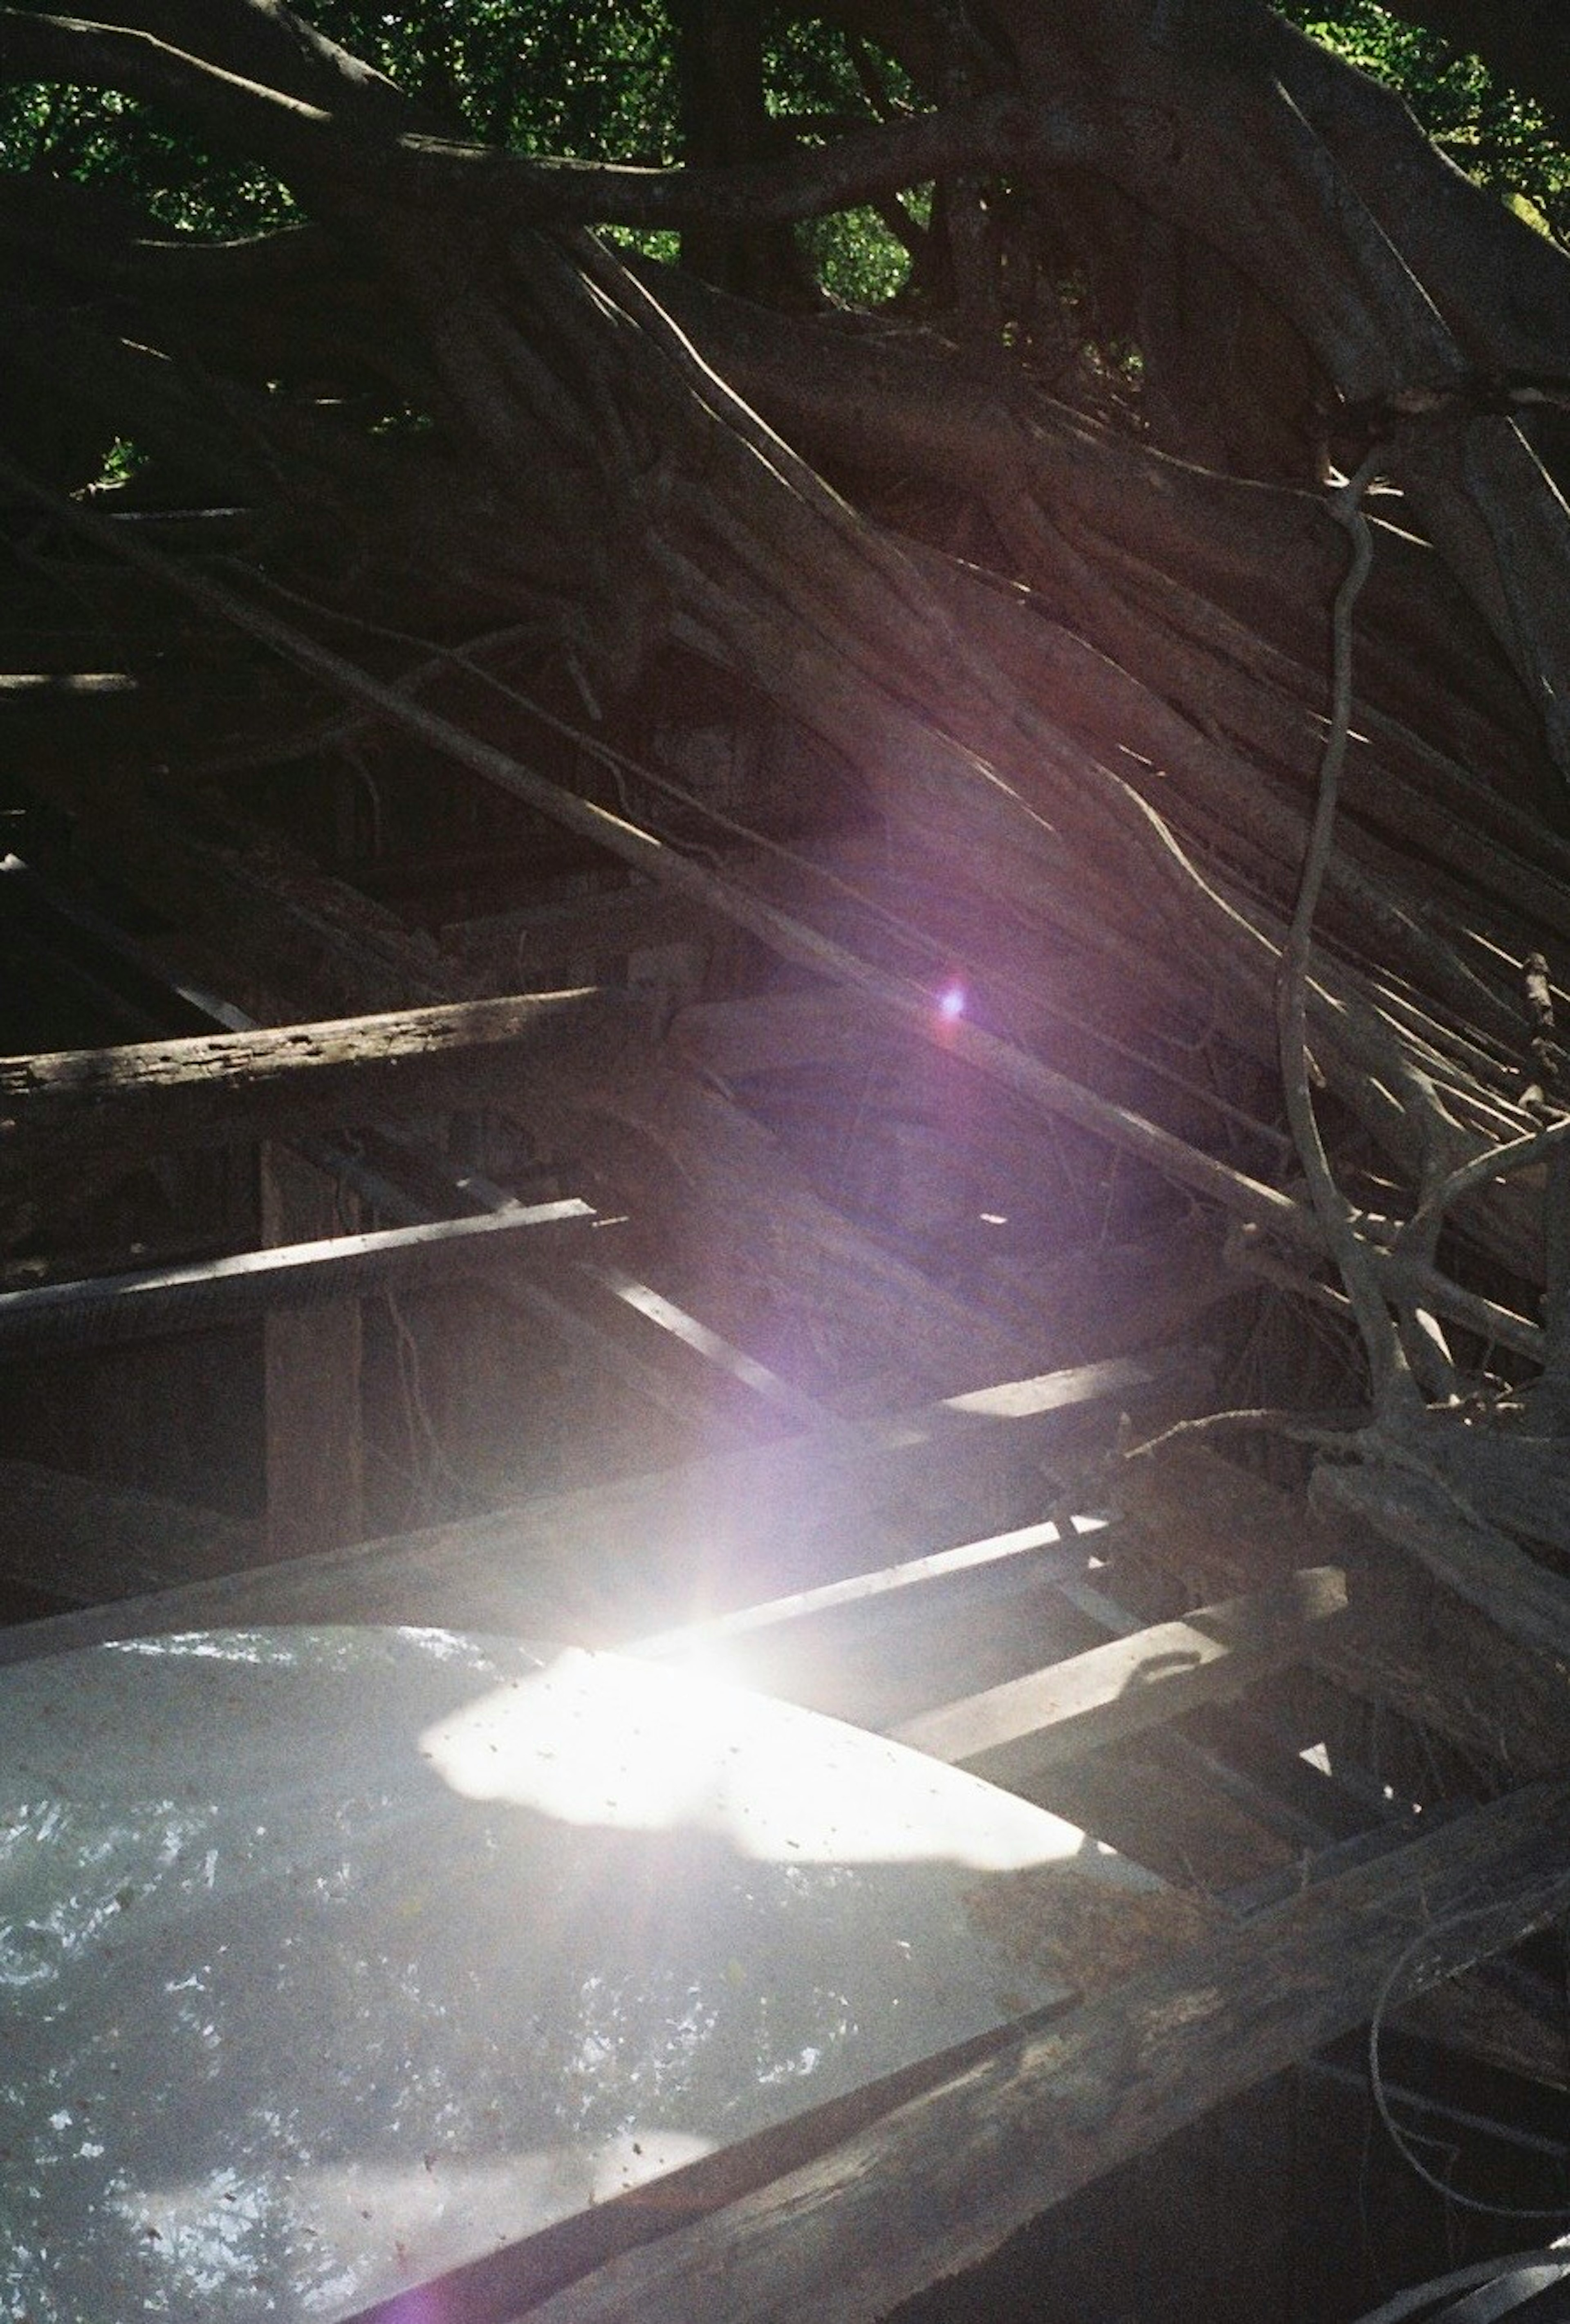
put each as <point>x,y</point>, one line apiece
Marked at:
<point>1014,1731</point>
<point>1410,1646</point>
<point>861,1598</point>
<point>710,1187</point>
<point>220,1290</point>
<point>885,1644</point>
<point>312,1364</point>
<point>702,1176</point>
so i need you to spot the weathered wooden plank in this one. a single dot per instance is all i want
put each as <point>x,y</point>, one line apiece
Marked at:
<point>641,1358</point>
<point>58,1110</point>
<point>879,1645</point>
<point>174,1298</point>
<point>315,1446</point>
<point>724,1363</point>
<point>614,1562</point>
<point>883,1648</point>
<point>862,1599</point>
<point>739,1177</point>
<point>943,2179</point>
<point>709,1179</point>
<point>1011,1732</point>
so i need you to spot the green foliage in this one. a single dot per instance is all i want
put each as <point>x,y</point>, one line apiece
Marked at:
<point>816,86</point>
<point>813,74</point>
<point>122,461</point>
<point>855,257</point>
<point>593,78</point>
<point>141,151</point>
<point>1497,137</point>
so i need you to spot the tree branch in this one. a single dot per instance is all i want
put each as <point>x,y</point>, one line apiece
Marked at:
<point>302,139</point>
<point>270,43</point>
<point>286,130</point>
<point>1388,1372</point>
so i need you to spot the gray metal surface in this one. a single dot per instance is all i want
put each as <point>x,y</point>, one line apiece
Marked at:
<point>333,1959</point>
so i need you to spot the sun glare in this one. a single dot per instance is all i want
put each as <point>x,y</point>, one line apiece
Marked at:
<point>602,1739</point>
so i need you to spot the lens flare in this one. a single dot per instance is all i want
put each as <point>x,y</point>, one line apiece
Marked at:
<point>951,1003</point>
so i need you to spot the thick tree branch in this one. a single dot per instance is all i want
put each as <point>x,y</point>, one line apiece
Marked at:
<point>269,43</point>
<point>286,130</point>
<point>987,133</point>
<point>301,138</point>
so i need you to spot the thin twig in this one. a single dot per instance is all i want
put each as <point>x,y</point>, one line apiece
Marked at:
<point>1331,1432</point>
<point>1421,1230</point>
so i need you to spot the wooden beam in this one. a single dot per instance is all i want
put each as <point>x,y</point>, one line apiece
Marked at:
<point>1056,1096</point>
<point>856,1606</point>
<point>710,1178</point>
<point>942,2181</point>
<point>154,1299</point>
<point>312,1362</point>
<point>610,1563</point>
<point>878,1646</point>
<point>1526,1601</point>
<point>408,1183</point>
<point>752,1246</point>
<point>213,1088</point>
<point>1013,1732</point>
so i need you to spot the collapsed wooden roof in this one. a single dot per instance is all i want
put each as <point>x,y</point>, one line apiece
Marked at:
<point>681,989</point>
<point>716,1209</point>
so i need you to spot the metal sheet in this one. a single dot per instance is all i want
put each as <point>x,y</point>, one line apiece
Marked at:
<point>332,1959</point>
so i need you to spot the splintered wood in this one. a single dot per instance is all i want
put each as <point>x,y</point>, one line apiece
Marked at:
<point>1092,1935</point>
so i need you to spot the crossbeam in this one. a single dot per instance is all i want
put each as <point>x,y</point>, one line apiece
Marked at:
<point>154,1299</point>
<point>213,1088</point>
<point>606,1564</point>
<point>1018,1730</point>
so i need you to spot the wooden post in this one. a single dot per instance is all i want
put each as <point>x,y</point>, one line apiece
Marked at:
<point>315,1438</point>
